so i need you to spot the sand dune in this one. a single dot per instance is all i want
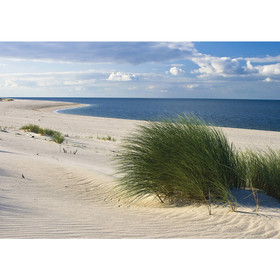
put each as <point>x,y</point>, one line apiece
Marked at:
<point>67,195</point>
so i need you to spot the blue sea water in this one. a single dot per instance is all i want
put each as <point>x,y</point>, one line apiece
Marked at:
<point>250,114</point>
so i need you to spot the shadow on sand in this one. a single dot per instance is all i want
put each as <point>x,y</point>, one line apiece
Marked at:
<point>7,207</point>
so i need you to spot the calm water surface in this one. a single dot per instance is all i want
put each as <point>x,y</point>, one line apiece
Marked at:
<point>251,114</point>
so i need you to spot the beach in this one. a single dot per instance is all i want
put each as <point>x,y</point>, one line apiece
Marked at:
<point>49,190</point>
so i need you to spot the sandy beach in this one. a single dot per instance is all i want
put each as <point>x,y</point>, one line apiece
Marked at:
<point>48,193</point>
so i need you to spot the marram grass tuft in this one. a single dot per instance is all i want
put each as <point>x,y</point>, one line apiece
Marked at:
<point>178,161</point>
<point>262,171</point>
<point>56,136</point>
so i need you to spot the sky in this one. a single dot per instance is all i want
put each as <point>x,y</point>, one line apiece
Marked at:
<point>235,70</point>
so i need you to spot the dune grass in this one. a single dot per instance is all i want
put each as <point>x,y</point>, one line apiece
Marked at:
<point>185,160</point>
<point>108,138</point>
<point>182,160</point>
<point>262,171</point>
<point>56,136</point>
<point>6,99</point>
<point>33,128</point>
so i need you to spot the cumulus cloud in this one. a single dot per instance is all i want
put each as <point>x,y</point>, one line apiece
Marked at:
<point>224,66</point>
<point>229,67</point>
<point>267,70</point>
<point>175,71</point>
<point>265,59</point>
<point>121,77</point>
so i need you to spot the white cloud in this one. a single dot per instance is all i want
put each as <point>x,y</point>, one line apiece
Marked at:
<point>10,84</point>
<point>265,59</point>
<point>121,77</point>
<point>263,70</point>
<point>224,66</point>
<point>267,70</point>
<point>191,86</point>
<point>267,80</point>
<point>182,46</point>
<point>229,67</point>
<point>176,71</point>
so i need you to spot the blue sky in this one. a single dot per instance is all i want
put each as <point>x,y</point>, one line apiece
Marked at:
<point>249,70</point>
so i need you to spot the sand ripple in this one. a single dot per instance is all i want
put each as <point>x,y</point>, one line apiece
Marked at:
<point>70,196</point>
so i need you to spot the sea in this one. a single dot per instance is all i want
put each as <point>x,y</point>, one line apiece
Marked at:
<point>238,113</point>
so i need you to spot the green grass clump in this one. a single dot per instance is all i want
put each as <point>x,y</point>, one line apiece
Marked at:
<point>108,138</point>
<point>49,132</point>
<point>182,160</point>
<point>6,99</point>
<point>56,136</point>
<point>262,171</point>
<point>33,128</point>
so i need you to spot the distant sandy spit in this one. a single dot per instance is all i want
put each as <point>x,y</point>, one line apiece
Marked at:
<point>53,191</point>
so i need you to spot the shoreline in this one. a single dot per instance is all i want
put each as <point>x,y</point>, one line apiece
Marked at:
<point>78,106</point>
<point>67,195</point>
<point>74,105</point>
<point>230,132</point>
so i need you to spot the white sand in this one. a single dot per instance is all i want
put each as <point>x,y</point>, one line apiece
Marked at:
<point>66,195</point>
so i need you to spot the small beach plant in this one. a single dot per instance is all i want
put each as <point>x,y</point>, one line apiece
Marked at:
<point>56,136</point>
<point>6,99</point>
<point>33,128</point>
<point>108,138</point>
<point>180,160</point>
